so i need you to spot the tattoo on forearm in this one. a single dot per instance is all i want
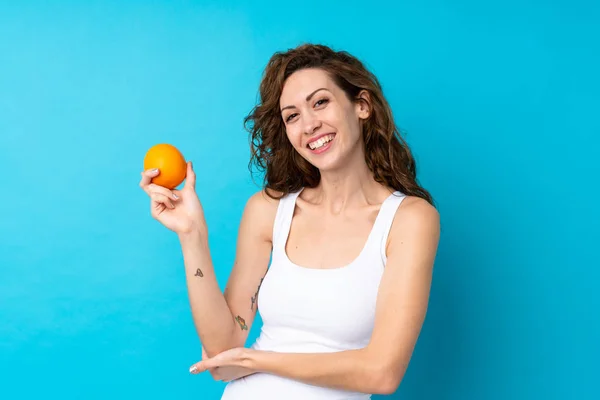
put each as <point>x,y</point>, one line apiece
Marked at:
<point>242,323</point>
<point>254,298</point>
<point>199,273</point>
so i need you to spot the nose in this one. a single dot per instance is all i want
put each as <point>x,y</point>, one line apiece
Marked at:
<point>311,123</point>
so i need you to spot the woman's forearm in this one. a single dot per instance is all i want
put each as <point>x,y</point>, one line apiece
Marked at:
<point>353,370</point>
<point>211,314</point>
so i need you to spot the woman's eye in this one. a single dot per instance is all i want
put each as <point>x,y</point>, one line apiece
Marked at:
<point>289,118</point>
<point>322,101</point>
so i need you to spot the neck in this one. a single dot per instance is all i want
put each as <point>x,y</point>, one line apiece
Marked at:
<point>349,188</point>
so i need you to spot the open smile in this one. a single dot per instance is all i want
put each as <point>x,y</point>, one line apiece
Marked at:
<point>321,143</point>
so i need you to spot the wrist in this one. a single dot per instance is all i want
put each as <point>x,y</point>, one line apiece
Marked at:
<point>194,235</point>
<point>253,359</point>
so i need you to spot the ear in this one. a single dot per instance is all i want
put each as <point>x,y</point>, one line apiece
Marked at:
<point>363,105</point>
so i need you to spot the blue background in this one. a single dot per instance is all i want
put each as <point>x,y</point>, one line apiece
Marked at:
<point>500,104</point>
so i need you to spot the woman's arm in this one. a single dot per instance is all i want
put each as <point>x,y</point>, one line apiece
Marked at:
<point>401,307</point>
<point>223,320</point>
<point>347,370</point>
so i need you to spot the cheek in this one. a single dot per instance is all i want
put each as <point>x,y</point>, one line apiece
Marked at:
<point>341,119</point>
<point>295,137</point>
<point>352,126</point>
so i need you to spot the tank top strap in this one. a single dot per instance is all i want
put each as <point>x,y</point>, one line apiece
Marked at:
<point>383,223</point>
<point>283,220</point>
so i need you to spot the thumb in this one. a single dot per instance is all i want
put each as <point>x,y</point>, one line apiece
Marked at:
<point>199,367</point>
<point>190,177</point>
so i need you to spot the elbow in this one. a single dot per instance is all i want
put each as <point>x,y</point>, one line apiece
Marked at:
<point>389,385</point>
<point>386,380</point>
<point>384,372</point>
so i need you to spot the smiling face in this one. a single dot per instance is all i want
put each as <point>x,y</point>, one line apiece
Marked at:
<point>321,122</point>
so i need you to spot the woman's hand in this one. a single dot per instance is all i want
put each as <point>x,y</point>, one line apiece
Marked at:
<point>226,366</point>
<point>178,210</point>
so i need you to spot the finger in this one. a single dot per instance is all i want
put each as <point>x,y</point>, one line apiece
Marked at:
<point>154,188</point>
<point>147,176</point>
<point>159,198</point>
<point>190,177</point>
<point>198,367</point>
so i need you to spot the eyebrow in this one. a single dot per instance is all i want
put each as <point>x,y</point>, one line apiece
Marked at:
<point>307,98</point>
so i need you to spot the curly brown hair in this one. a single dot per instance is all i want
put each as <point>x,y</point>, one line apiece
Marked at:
<point>386,153</point>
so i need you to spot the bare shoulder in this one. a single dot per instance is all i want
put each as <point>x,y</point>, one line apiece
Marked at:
<point>418,210</point>
<point>416,220</point>
<point>261,202</point>
<point>260,211</point>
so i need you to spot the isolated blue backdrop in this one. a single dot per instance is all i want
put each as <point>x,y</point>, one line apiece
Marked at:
<point>499,101</point>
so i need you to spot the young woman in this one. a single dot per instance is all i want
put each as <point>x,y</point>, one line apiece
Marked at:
<point>352,237</point>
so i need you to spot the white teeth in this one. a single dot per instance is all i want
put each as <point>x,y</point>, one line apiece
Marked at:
<point>318,143</point>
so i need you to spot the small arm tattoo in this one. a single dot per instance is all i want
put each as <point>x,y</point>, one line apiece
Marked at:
<point>242,323</point>
<point>199,273</point>
<point>254,298</point>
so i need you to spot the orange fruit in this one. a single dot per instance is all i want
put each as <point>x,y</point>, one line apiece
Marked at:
<point>170,163</point>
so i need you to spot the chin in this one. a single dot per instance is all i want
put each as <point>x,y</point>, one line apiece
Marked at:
<point>325,164</point>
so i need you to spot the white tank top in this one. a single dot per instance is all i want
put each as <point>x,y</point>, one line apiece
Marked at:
<point>309,310</point>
